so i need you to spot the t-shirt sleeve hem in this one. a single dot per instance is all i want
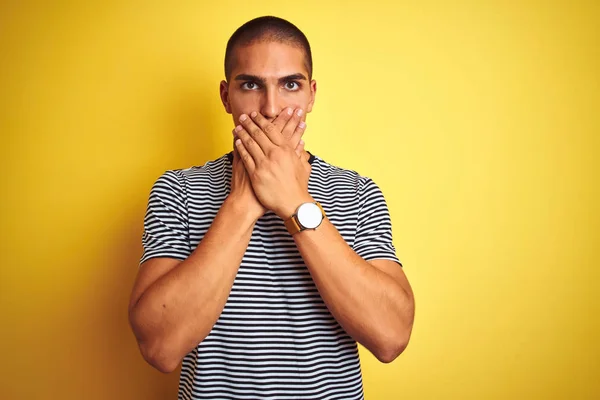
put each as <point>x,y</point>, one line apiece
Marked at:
<point>177,256</point>
<point>383,257</point>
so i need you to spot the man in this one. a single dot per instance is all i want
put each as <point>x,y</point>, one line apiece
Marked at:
<point>262,269</point>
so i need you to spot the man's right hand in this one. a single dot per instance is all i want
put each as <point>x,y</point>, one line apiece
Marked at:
<point>242,193</point>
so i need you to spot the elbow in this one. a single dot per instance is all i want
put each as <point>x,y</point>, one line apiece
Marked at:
<point>163,365</point>
<point>157,356</point>
<point>389,352</point>
<point>152,347</point>
<point>390,348</point>
<point>395,340</point>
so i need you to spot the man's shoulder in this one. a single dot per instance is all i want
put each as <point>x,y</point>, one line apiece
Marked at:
<point>209,174</point>
<point>335,184</point>
<point>211,168</point>
<point>331,174</point>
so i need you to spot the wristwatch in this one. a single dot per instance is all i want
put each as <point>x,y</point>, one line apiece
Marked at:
<point>307,216</point>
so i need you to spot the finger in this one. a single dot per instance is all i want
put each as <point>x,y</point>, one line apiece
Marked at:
<point>298,133</point>
<point>292,124</point>
<point>300,148</point>
<point>245,156</point>
<point>268,128</point>
<point>236,153</point>
<point>305,156</point>
<point>257,134</point>
<point>235,137</point>
<point>249,144</point>
<point>283,117</point>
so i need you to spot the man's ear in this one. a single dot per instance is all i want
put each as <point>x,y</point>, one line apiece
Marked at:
<point>313,93</point>
<point>224,91</point>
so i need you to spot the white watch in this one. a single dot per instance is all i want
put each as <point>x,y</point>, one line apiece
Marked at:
<point>307,216</point>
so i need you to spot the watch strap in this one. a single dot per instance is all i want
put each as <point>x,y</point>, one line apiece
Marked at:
<point>293,225</point>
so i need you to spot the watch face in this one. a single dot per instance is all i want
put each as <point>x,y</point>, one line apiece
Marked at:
<point>309,215</point>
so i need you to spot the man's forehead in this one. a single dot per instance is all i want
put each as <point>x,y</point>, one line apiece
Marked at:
<point>241,75</point>
<point>269,60</point>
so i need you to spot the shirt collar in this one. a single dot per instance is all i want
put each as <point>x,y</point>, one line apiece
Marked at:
<point>310,159</point>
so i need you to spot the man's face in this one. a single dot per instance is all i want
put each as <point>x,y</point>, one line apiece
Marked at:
<point>268,77</point>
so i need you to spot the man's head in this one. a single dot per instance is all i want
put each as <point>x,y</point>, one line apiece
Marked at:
<point>268,67</point>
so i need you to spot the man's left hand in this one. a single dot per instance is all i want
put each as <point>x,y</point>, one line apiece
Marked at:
<point>279,177</point>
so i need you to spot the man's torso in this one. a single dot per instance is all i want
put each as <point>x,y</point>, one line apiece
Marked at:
<point>275,337</point>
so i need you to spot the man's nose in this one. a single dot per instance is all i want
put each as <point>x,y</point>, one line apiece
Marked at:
<point>270,107</point>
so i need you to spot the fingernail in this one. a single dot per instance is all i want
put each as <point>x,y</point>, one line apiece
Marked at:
<point>238,128</point>
<point>302,125</point>
<point>254,114</point>
<point>301,142</point>
<point>289,111</point>
<point>299,112</point>
<point>243,117</point>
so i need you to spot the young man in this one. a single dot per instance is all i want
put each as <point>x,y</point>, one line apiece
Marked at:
<point>262,269</point>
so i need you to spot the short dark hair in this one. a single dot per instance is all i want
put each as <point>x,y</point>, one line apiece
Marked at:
<point>267,28</point>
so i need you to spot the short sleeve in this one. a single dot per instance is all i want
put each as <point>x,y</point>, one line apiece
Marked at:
<point>374,227</point>
<point>166,232</point>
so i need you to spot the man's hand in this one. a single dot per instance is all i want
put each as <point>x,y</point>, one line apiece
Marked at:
<point>278,174</point>
<point>242,192</point>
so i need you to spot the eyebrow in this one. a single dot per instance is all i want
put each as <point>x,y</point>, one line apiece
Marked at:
<point>262,81</point>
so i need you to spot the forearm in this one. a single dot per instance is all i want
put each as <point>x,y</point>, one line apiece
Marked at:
<point>178,310</point>
<point>368,303</point>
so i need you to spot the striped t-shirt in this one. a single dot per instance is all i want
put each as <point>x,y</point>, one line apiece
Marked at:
<point>275,338</point>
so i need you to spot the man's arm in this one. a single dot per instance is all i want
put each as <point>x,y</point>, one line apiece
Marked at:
<point>174,304</point>
<point>372,301</point>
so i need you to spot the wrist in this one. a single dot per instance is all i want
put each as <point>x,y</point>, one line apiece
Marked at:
<point>289,209</point>
<point>240,210</point>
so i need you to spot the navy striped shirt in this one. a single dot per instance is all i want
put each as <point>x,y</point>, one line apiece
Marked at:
<point>275,338</point>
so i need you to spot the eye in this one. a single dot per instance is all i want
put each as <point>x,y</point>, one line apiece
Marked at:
<point>249,85</point>
<point>292,85</point>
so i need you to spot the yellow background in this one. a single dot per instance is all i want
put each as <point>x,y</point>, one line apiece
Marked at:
<point>479,120</point>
